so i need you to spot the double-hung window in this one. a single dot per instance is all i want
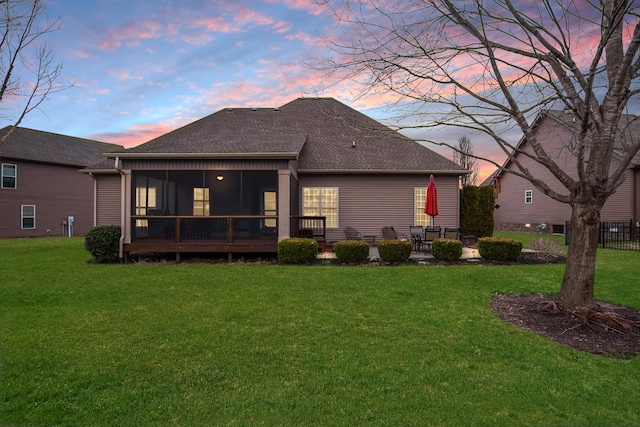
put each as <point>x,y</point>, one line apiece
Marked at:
<point>321,201</point>
<point>528,197</point>
<point>9,175</point>
<point>145,200</point>
<point>28,217</point>
<point>419,201</point>
<point>201,201</point>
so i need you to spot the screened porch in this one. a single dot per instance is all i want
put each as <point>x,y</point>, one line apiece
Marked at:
<point>203,211</point>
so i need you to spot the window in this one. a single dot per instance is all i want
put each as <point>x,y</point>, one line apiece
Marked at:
<point>528,196</point>
<point>201,201</point>
<point>145,199</point>
<point>419,200</point>
<point>9,175</point>
<point>269,203</point>
<point>28,217</point>
<point>321,202</point>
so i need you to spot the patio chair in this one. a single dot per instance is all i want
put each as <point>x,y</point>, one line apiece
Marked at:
<point>452,233</point>
<point>431,234</point>
<point>352,234</point>
<point>417,237</point>
<point>389,233</point>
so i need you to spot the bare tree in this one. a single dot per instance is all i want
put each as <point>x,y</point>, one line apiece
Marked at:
<point>463,155</point>
<point>28,70</point>
<point>491,66</point>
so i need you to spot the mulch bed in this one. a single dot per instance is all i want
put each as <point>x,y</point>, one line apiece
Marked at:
<point>612,331</point>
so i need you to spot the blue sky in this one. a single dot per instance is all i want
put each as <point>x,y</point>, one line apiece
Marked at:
<point>141,68</point>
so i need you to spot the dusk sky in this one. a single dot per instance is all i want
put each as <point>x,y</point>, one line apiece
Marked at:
<point>141,68</point>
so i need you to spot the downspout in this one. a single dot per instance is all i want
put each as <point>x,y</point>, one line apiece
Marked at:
<point>122,206</point>
<point>95,199</point>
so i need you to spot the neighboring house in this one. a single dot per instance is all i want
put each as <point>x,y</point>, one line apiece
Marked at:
<point>520,206</point>
<point>41,186</point>
<point>242,179</point>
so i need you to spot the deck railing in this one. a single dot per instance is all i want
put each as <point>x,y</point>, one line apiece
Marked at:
<point>309,226</point>
<point>184,229</point>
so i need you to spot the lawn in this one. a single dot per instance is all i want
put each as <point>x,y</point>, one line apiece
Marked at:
<point>251,344</point>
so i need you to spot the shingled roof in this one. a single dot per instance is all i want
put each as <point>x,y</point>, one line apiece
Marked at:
<point>324,135</point>
<point>44,147</point>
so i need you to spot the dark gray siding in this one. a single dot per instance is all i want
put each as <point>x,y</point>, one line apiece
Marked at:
<point>370,202</point>
<point>56,191</point>
<point>108,199</point>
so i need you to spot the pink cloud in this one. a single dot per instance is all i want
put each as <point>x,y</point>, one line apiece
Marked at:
<point>122,75</point>
<point>216,24</point>
<point>83,54</point>
<point>248,16</point>
<point>306,39</point>
<point>130,34</point>
<point>140,133</point>
<point>310,7</point>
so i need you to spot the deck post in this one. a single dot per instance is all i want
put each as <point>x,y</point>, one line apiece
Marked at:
<point>284,204</point>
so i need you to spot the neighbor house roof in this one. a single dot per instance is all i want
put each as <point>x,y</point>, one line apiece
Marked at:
<point>19,143</point>
<point>630,125</point>
<point>323,134</point>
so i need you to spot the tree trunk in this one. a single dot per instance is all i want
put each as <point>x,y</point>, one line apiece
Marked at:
<point>579,275</point>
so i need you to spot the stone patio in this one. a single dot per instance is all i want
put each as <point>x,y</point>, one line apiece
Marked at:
<point>467,253</point>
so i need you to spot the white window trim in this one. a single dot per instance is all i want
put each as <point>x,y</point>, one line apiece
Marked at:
<point>528,197</point>
<point>22,217</point>
<point>15,177</point>
<point>320,207</point>
<point>418,208</point>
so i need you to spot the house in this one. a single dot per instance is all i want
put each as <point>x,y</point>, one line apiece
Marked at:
<point>522,207</point>
<point>41,185</point>
<point>242,179</point>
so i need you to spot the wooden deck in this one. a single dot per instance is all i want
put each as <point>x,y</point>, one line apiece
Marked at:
<point>198,234</point>
<point>214,234</point>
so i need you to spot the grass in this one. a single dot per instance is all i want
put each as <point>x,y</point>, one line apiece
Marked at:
<point>528,238</point>
<point>218,344</point>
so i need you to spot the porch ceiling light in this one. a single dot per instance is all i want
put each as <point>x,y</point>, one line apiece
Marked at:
<point>219,177</point>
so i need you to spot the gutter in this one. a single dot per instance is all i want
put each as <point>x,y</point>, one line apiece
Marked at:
<point>173,156</point>
<point>383,171</point>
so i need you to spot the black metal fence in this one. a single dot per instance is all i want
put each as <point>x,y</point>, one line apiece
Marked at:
<point>614,235</point>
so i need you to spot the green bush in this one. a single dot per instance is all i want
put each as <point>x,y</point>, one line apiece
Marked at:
<point>499,249</point>
<point>394,250</point>
<point>446,249</point>
<point>351,251</point>
<point>476,211</point>
<point>103,243</point>
<point>297,250</point>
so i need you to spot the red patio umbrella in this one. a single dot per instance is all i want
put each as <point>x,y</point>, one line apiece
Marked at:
<point>431,204</point>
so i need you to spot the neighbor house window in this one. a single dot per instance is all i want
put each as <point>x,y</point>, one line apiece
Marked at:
<point>201,201</point>
<point>321,202</point>
<point>28,217</point>
<point>528,196</point>
<point>419,200</point>
<point>9,175</point>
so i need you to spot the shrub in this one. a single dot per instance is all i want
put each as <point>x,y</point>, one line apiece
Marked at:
<point>546,249</point>
<point>476,211</point>
<point>351,251</point>
<point>499,249</point>
<point>103,243</point>
<point>297,250</point>
<point>446,249</point>
<point>393,250</point>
